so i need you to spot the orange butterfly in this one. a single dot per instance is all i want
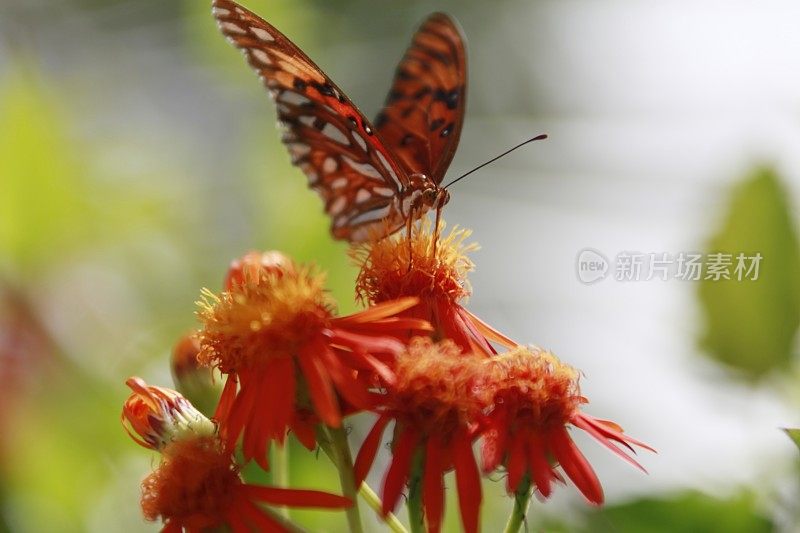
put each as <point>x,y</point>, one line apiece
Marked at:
<point>372,176</point>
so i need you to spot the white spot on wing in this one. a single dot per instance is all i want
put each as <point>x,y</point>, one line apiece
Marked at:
<point>362,196</point>
<point>361,142</point>
<point>220,11</point>
<point>261,33</point>
<point>338,183</point>
<point>383,191</point>
<point>363,168</point>
<point>388,167</point>
<point>308,120</point>
<point>371,215</point>
<point>261,56</point>
<point>293,98</point>
<point>310,173</point>
<point>329,165</point>
<point>332,132</point>
<point>337,206</point>
<point>230,27</point>
<point>298,150</point>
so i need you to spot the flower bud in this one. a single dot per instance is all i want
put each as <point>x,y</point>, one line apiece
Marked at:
<point>155,416</point>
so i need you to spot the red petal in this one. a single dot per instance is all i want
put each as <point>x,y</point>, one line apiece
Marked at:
<point>296,497</point>
<point>517,463</point>
<point>257,517</point>
<point>539,466</point>
<point>391,325</point>
<point>489,332</point>
<point>226,399</point>
<point>398,471</point>
<point>576,466</point>
<point>366,343</point>
<point>495,440</point>
<point>348,386</point>
<point>319,386</point>
<point>475,336</point>
<point>432,488</point>
<point>369,448</point>
<point>612,431</point>
<point>602,439</point>
<point>381,310</point>
<point>241,412</point>
<point>364,361</point>
<point>304,431</point>
<point>468,481</point>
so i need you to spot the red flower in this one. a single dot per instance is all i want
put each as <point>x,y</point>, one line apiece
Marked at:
<point>433,269</point>
<point>197,487</point>
<point>534,397</point>
<point>275,323</point>
<point>435,409</point>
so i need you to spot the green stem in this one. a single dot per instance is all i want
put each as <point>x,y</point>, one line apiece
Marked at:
<point>280,470</point>
<point>416,516</point>
<point>522,498</point>
<point>374,502</point>
<point>344,464</point>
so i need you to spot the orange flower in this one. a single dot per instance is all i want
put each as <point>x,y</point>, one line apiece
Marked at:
<point>534,397</point>
<point>197,487</point>
<point>435,409</point>
<point>155,416</point>
<point>275,323</point>
<point>434,269</point>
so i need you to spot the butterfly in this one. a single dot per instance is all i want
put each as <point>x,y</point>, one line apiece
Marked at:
<point>374,177</point>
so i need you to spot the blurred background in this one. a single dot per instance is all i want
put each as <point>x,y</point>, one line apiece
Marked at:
<point>138,156</point>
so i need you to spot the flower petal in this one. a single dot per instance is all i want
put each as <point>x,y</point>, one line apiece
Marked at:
<point>368,450</point>
<point>398,471</point>
<point>319,385</point>
<point>539,466</point>
<point>468,482</point>
<point>495,437</point>
<point>432,487</point>
<point>517,462</point>
<point>576,466</point>
<point>381,310</point>
<point>296,497</point>
<point>604,440</point>
<point>489,332</point>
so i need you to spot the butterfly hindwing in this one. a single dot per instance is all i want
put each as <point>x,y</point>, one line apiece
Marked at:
<point>424,111</point>
<point>327,136</point>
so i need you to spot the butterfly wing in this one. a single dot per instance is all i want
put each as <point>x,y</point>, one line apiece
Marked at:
<point>424,111</point>
<point>327,136</point>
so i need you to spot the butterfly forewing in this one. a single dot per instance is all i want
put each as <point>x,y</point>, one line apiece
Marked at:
<point>326,135</point>
<point>424,111</point>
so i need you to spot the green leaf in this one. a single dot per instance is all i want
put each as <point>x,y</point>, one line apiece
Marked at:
<point>794,434</point>
<point>41,208</point>
<point>751,324</point>
<point>688,511</point>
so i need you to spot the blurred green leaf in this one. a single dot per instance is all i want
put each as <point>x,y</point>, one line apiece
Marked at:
<point>42,210</point>
<point>751,324</point>
<point>689,511</point>
<point>794,434</point>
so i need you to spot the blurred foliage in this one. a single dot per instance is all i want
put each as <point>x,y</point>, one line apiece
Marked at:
<point>793,434</point>
<point>751,325</point>
<point>687,512</point>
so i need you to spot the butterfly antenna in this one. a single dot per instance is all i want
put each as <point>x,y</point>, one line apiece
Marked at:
<point>489,162</point>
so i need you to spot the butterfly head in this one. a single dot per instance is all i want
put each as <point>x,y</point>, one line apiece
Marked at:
<point>426,193</point>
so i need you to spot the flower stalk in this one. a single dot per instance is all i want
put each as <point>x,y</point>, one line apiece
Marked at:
<point>344,464</point>
<point>416,516</point>
<point>522,499</point>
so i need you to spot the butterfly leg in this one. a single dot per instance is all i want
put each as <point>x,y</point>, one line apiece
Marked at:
<point>438,220</point>
<point>409,228</point>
